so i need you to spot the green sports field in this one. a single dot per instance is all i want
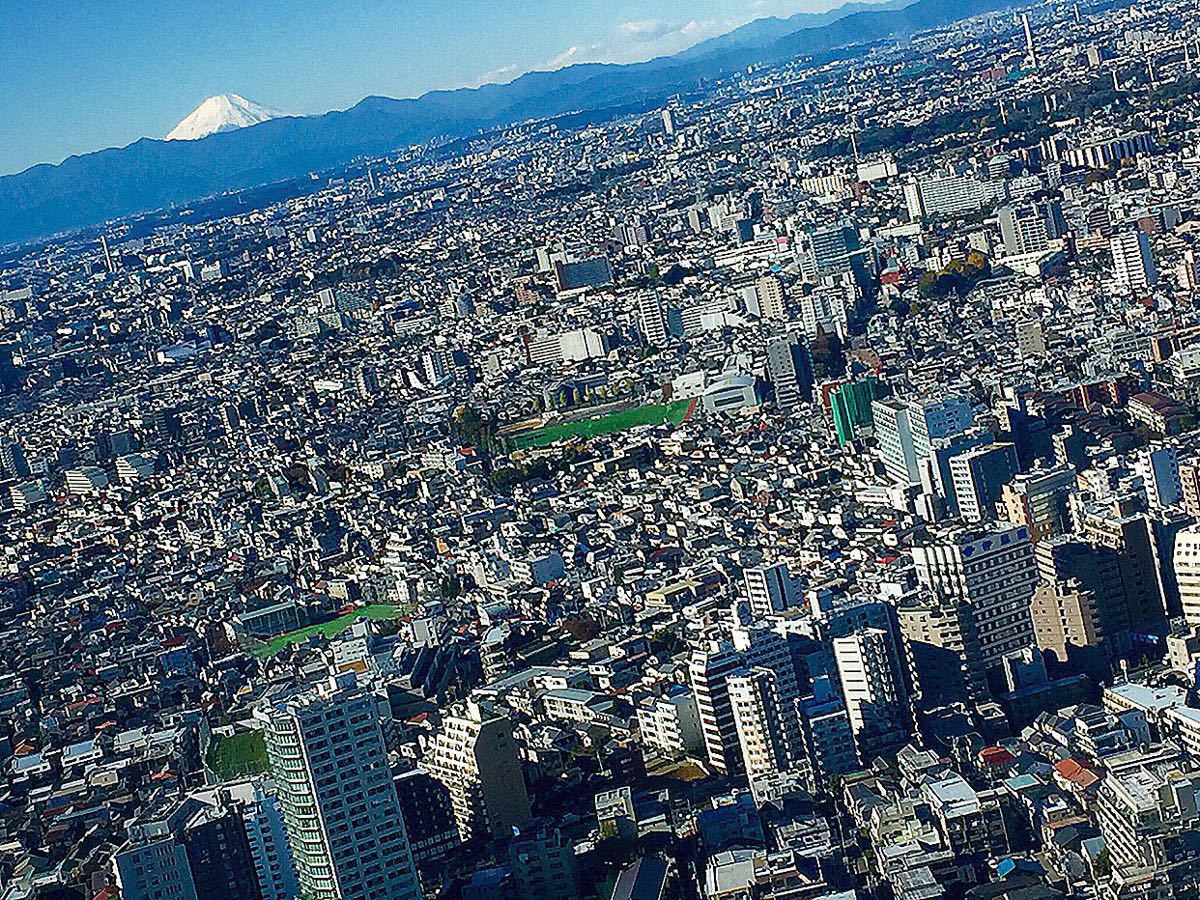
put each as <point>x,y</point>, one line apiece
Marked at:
<point>237,756</point>
<point>332,628</point>
<point>654,414</point>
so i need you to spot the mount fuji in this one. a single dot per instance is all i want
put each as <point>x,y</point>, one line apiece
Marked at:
<point>225,112</point>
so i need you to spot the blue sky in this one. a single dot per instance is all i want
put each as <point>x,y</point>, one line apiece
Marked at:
<point>80,75</point>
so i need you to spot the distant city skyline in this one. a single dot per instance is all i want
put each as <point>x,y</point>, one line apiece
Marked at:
<point>80,78</point>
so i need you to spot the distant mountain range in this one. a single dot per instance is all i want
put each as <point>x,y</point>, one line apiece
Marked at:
<point>149,174</point>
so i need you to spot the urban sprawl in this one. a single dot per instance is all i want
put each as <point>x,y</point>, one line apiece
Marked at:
<point>790,490</point>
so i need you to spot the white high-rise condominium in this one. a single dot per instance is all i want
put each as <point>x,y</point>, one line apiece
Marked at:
<point>768,732</point>
<point>709,669</point>
<point>329,763</point>
<point>876,700</point>
<point>770,589</point>
<point>906,429</point>
<point>652,318</point>
<point>894,437</point>
<point>1133,264</point>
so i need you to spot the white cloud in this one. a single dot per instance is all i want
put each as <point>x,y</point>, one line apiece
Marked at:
<point>566,58</point>
<point>645,30</point>
<point>642,39</point>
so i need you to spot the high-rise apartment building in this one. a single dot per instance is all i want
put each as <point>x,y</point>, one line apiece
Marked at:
<point>1041,501</point>
<point>709,669</point>
<point>475,757</point>
<point>652,318</point>
<point>767,732</point>
<point>1023,230</point>
<point>190,849</point>
<point>771,589</point>
<point>269,848</point>
<point>873,688</point>
<point>1133,263</point>
<point>1186,561</point>
<point>329,763</point>
<point>1158,467</point>
<point>1147,810</point>
<point>790,369</point>
<point>979,475</point>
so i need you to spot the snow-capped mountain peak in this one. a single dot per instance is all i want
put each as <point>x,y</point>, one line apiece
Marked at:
<point>225,112</point>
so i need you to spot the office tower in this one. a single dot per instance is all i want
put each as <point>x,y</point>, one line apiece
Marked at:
<point>652,318</point>
<point>1147,812</point>
<point>992,574</point>
<point>771,589</point>
<point>190,849</point>
<point>979,475</point>
<point>766,729</point>
<point>1040,500</point>
<point>329,763</point>
<point>850,405</point>
<point>709,669</point>
<point>475,757</point>
<point>269,849</point>
<point>789,367</point>
<point>836,248</point>
<point>1133,263</point>
<point>542,863</point>
<point>1158,467</point>
<point>1023,230</point>
<point>668,120</point>
<point>873,688</point>
<point>893,434</point>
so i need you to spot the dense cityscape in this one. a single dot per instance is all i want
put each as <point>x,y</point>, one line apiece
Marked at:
<point>789,491</point>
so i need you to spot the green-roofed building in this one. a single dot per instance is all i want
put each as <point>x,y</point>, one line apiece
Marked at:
<point>851,407</point>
